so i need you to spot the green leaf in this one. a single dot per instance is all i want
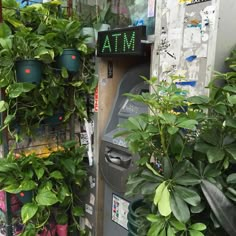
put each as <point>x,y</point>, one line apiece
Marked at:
<point>27,185</point>
<point>155,229</point>
<point>158,193</point>
<point>230,122</point>
<point>28,211</point>
<point>222,207</point>
<point>188,195</point>
<point>153,218</point>
<point>164,203</point>
<point>3,106</point>
<point>13,188</point>
<point>231,150</point>
<point>172,130</point>
<point>198,99</point>
<point>16,89</point>
<point>39,172</point>
<point>170,231</point>
<point>221,109</point>
<point>64,73</point>
<point>153,170</point>
<point>188,124</point>
<point>69,165</point>
<point>150,177</point>
<point>198,226</point>
<point>178,225</point>
<point>215,154</point>
<point>46,197</point>
<point>231,179</point>
<point>78,211</point>
<point>163,232</point>
<point>195,233</point>
<point>5,30</point>
<point>148,188</point>
<point>167,118</point>
<point>229,88</point>
<point>197,209</point>
<point>167,167</point>
<point>56,175</point>
<point>180,169</point>
<point>232,99</point>
<point>188,180</point>
<point>177,144</point>
<point>179,208</point>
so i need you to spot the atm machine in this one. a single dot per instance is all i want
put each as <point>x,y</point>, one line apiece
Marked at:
<point>116,162</point>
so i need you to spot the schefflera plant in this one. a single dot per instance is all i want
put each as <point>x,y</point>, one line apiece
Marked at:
<point>176,174</point>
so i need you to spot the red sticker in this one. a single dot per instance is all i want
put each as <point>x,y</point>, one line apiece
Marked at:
<point>73,57</point>
<point>27,71</point>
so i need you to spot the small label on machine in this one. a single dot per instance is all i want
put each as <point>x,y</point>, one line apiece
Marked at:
<point>119,211</point>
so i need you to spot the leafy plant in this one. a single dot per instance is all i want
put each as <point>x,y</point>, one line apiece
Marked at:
<point>38,33</point>
<point>54,181</point>
<point>187,157</point>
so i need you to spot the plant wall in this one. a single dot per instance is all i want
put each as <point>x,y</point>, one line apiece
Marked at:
<point>41,32</point>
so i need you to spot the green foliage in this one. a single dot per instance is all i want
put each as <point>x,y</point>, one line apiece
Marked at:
<point>54,181</point>
<point>186,145</point>
<point>41,31</point>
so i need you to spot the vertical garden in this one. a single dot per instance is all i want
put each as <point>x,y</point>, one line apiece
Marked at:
<point>47,80</point>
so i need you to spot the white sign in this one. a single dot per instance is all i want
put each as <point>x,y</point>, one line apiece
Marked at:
<point>119,211</point>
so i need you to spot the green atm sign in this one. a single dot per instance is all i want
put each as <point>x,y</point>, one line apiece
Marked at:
<point>125,41</point>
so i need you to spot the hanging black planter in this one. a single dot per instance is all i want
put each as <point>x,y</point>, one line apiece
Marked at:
<point>25,196</point>
<point>69,59</point>
<point>29,71</point>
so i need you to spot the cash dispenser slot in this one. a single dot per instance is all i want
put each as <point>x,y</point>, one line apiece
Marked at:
<point>117,157</point>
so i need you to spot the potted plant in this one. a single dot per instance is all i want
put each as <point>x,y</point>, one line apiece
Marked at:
<point>186,168</point>
<point>25,50</point>
<point>54,182</point>
<point>67,43</point>
<point>103,18</point>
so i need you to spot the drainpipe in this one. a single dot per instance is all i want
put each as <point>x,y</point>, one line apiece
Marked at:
<point>5,152</point>
<point>69,7</point>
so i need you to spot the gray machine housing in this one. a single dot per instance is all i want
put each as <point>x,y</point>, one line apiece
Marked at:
<point>116,162</point>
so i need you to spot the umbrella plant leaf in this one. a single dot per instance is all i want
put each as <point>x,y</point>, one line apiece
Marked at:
<point>222,207</point>
<point>179,208</point>
<point>158,193</point>
<point>188,124</point>
<point>198,226</point>
<point>188,195</point>
<point>170,231</point>
<point>164,203</point>
<point>195,233</point>
<point>188,179</point>
<point>231,179</point>
<point>215,154</point>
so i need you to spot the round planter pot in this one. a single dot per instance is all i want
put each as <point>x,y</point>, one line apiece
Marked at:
<point>69,59</point>
<point>55,119</point>
<point>29,71</point>
<point>62,230</point>
<point>131,231</point>
<point>101,27</point>
<point>25,196</point>
<point>134,217</point>
<point>89,32</point>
